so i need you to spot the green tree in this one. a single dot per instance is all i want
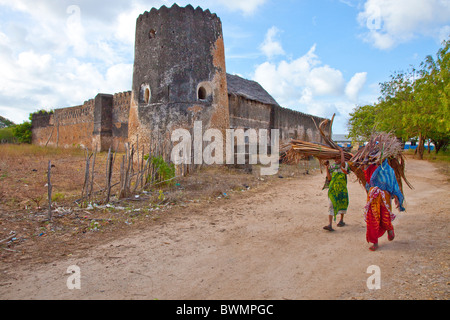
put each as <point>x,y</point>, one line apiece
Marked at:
<point>395,104</point>
<point>23,132</point>
<point>433,91</point>
<point>362,122</point>
<point>413,104</point>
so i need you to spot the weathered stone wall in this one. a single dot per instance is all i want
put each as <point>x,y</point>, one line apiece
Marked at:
<point>98,123</point>
<point>296,125</point>
<point>179,74</point>
<point>120,114</point>
<point>65,127</point>
<point>102,134</point>
<point>245,113</point>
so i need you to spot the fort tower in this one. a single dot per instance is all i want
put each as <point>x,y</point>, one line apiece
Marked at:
<point>179,77</point>
<point>179,73</point>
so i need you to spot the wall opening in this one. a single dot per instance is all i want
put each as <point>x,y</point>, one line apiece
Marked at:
<point>147,95</point>
<point>201,93</point>
<point>152,34</point>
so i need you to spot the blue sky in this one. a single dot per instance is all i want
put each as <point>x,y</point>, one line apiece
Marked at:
<point>319,57</point>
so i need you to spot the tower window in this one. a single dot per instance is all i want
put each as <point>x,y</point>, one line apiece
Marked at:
<point>147,95</point>
<point>152,34</point>
<point>202,93</point>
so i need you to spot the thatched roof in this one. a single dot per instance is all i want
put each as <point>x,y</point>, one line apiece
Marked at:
<point>248,89</point>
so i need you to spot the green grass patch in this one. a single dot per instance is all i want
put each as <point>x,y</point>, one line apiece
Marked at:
<point>58,197</point>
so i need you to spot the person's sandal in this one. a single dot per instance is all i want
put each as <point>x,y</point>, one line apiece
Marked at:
<point>328,228</point>
<point>341,224</point>
<point>391,235</point>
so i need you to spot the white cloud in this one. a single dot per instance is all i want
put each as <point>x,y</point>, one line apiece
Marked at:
<point>247,7</point>
<point>288,79</point>
<point>75,31</point>
<point>308,85</point>
<point>60,53</point>
<point>326,81</point>
<point>444,33</point>
<point>119,76</point>
<point>392,22</point>
<point>4,40</point>
<point>125,26</point>
<point>271,47</point>
<point>14,114</point>
<point>34,63</point>
<point>355,85</point>
<point>347,2</point>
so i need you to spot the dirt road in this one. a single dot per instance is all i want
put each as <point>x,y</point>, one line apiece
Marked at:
<point>265,244</point>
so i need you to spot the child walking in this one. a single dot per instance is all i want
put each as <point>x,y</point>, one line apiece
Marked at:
<point>337,190</point>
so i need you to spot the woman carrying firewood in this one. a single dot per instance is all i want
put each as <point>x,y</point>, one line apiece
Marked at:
<point>337,190</point>
<point>381,187</point>
<point>380,167</point>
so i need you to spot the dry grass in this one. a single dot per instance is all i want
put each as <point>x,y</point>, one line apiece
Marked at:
<point>23,175</point>
<point>29,150</point>
<point>23,199</point>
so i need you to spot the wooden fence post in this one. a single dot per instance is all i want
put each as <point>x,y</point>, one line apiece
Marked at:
<point>49,184</point>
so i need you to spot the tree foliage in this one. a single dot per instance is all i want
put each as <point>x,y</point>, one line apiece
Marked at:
<point>413,104</point>
<point>5,123</point>
<point>22,132</point>
<point>362,122</point>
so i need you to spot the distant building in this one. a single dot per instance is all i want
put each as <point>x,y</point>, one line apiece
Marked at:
<point>342,140</point>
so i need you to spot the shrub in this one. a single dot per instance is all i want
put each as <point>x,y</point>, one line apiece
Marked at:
<point>22,132</point>
<point>7,136</point>
<point>164,170</point>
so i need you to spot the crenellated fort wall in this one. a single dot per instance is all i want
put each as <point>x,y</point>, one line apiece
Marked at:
<point>179,77</point>
<point>98,123</point>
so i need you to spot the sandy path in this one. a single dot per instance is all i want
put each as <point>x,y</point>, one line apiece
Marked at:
<point>266,245</point>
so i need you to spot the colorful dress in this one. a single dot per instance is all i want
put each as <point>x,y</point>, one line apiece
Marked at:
<point>381,186</point>
<point>337,190</point>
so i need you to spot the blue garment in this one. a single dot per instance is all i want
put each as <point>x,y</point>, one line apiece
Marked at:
<point>384,178</point>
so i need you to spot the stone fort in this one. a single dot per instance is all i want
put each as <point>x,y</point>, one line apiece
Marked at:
<point>179,77</point>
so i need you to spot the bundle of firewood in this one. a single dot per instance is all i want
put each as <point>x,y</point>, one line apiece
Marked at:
<point>297,149</point>
<point>381,146</point>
